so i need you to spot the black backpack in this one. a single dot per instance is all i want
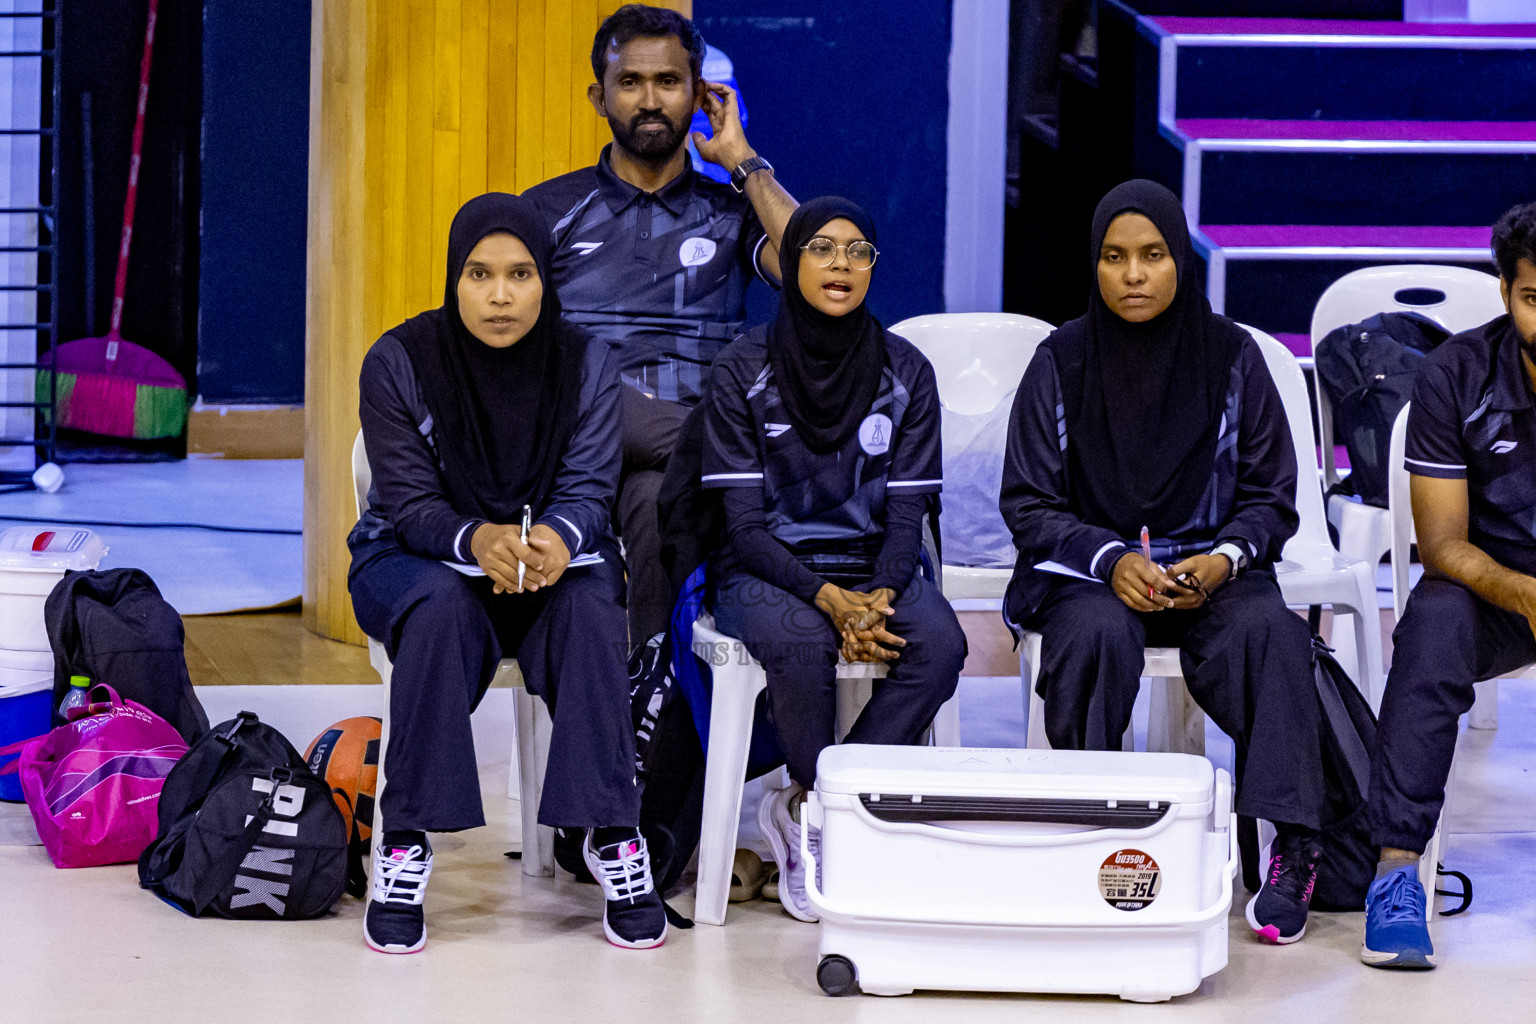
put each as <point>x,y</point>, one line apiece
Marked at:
<point>1367,370</point>
<point>669,762</point>
<point>248,832</point>
<point>114,626</point>
<point>1348,863</point>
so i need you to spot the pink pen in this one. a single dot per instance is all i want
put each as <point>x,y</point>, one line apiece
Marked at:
<point>1146,552</point>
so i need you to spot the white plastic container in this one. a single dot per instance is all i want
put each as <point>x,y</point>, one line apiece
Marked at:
<point>1020,870</point>
<point>32,561</point>
<point>20,669</point>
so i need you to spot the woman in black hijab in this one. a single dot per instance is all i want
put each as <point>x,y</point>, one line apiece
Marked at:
<point>822,432</point>
<point>483,418</point>
<point>1152,416</point>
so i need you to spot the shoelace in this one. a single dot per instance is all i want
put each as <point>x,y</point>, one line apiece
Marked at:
<point>1404,900</point>
<point>1292,875</point>
<point>400,875</point>
<point>627,877</point>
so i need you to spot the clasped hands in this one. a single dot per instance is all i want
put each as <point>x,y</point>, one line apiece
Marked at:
<point>860,619</point>
<point>499,550</point>
<point>1147,587</point>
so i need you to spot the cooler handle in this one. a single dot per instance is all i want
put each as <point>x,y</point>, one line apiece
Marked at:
<point>923,825</point>
<point>898,807</point>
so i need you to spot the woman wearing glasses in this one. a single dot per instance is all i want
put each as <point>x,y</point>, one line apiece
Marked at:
<point>1149,457</point>
<point>822,434</point>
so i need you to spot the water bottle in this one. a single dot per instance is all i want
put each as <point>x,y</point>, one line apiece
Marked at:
<point>77,697</point>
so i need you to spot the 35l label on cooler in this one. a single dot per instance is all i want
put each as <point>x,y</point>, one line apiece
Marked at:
<point>1129,880</point>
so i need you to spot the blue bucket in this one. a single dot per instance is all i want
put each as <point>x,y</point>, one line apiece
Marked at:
<point>25,712</point>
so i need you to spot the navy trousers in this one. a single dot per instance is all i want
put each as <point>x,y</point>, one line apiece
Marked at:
<point>1246,659</point>
<point>445,633</point>
<point>651,426</point>
<point>1448,639</point>
<point>798,648</point>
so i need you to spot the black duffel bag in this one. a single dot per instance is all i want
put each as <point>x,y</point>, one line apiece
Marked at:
<point>248,832</point>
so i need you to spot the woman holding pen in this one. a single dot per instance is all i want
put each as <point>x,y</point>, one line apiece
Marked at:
<point>492,431</point>
<point>1149,457</point>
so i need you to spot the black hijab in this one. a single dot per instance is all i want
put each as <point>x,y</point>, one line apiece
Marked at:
<point>1144,401</point>
<point>501,417</point>
<point>827,367</point>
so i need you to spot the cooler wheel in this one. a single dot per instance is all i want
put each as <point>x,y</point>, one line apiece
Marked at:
<point>837,976</point>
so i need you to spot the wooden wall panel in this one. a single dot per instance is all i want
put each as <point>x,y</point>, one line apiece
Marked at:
<point>415,107</point>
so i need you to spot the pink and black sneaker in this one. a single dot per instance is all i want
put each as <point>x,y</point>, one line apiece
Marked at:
<point>1278,914</point>
<point>394,921</point>
<point>633,914</point>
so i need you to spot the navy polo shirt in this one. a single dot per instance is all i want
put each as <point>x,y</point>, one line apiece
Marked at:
<point>827,509</point>
<point>1473,418</point>
<point>661,276</point>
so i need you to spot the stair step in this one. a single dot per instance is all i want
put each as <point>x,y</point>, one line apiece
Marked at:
<point>1452,240</point>
<point>1211,132</point>
<point>1311,29</point>
<point>1271,275</point>
<point>1340,71</point>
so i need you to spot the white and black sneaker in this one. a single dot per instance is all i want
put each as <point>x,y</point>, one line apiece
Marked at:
<point>633,914</point>
<point>394,921</point>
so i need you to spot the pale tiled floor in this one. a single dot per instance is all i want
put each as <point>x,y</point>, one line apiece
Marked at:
<point>89,945</point>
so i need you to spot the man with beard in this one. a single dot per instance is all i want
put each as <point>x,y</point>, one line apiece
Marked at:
<point>1472,458</point>
<point>654,259</point>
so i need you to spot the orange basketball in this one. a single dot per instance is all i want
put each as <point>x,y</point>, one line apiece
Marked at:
<point>346,756</point>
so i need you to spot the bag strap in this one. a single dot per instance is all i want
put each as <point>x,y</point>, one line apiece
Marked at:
<point>1339,721</point>
<point>357,875</point>
<point>209,769</point>
<point>221,872</point>
<point>97,707</point>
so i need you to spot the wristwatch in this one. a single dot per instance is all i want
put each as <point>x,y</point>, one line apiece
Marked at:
<point>1235,554</point>
<point>745,169</point>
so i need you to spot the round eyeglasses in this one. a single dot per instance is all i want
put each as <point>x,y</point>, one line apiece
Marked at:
<point>822,251</point>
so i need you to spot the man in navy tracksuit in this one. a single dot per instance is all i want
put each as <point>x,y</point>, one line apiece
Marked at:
<point>1471,454</point>
<point>655,259</point>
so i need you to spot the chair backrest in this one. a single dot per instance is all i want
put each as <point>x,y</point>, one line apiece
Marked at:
<point>1457,298</point>
<point>1286,372</point>
<point>1400,507</point>
<point>362,476</point>
<point>978,358</point>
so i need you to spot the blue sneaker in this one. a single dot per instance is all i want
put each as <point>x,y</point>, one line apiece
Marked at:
<point>1396,934</point>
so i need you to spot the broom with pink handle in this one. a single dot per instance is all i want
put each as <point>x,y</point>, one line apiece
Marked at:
<point>107,385</point>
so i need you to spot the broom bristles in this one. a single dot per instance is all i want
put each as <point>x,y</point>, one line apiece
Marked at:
<point>116,406</point>
<point>159,411</point>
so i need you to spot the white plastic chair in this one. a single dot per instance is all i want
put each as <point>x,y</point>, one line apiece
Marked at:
<point>1458,299</point>
<point>1309,572</point>
<point>737,679</point>
<point>531,725</point>
<point>978,360</point>
<point>1485,708</point>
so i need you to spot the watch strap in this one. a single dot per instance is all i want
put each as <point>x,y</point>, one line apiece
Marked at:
<point>1235,554</point>
<point>745,169</point>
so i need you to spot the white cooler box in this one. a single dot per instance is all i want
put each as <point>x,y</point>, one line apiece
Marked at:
<point>1020,870</point>
<point>33,559</point>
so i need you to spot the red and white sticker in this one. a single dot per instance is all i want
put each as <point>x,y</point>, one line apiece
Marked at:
<point>1129,880</point>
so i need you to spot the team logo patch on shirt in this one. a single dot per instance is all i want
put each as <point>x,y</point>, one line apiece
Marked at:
<point>695,252</point>
<point>875,434</point>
